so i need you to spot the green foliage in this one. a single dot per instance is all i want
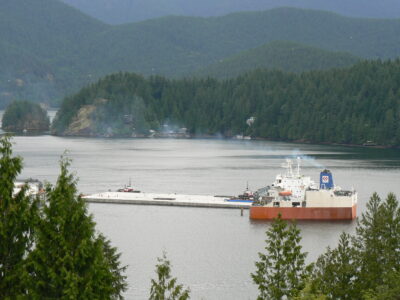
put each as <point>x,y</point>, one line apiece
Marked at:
<point>346,106</point>
<point>20,115</point>
<point>336,270</point>
<point>388,291</point>
<point>308,293</point>
<point>165,287</point>
<point>70,261</point>
<point>367,265</point>
<point>281,270</point>
<point>114,272</point>
<point>18,213</point>
<point>378,244</point>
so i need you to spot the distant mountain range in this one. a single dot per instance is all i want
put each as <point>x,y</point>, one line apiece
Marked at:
<point>41,45</point>
<point>49,49</point>
<point>124,11</point>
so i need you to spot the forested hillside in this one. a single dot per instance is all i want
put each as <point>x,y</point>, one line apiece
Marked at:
<point>278,55</point>
<point>179,45</point>
<point>350,106</point>
<point>50,49</point>
<point>41,45</point>
<point>24,116</point>
<point>124,11</point>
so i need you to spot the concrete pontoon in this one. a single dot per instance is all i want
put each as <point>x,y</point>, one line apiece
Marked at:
<point>165,199</point>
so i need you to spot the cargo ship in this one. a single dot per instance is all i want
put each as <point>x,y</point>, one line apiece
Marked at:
<point>295,196</point>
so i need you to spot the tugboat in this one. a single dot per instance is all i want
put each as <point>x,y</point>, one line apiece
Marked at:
<point>128,188</point>
<point>297,197</point>
<point>247,196</point>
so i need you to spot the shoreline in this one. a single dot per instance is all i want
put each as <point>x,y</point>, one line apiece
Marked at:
<point>205,137</point>
<point>212,137</point>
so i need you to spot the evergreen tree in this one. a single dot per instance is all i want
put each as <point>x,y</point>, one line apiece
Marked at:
<point>378,246</point>
<point>309,293</point>
<point>113,272</point>
<point>388,291</point>
<point>369,246</point>
<point>70,261</point>
<point>17,217</point>
<point>335,271</point>
<point>350,106</point>
<point>281,271</point>
<point>25,115</point>
<point>366,266</point>
<point>165,287</point>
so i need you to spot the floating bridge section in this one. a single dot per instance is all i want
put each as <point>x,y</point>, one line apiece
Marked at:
<point>165,200</point>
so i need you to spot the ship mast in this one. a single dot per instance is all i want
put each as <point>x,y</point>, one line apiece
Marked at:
<point>288,166</point>
<point>298,166</point>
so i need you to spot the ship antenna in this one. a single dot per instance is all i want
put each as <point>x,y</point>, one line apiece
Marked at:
<point>298,165</point>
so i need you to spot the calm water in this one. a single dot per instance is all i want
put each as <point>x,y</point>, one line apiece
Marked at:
<point>211,250</point>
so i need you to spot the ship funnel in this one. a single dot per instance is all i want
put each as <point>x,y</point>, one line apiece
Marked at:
<point>326,180</point>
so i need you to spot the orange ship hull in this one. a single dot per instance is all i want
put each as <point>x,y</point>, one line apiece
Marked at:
<point>303,213</point>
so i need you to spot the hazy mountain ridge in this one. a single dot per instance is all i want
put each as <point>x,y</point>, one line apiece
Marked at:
<point>40,42</point>
<point>279,55</point>
<point>178,45</point>
<point>124,11</point>
<point>52,49</point>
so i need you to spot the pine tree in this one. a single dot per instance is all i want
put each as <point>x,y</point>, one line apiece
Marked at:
<point>309,293</point>
<point>166,287</point>
<point>113,272</point>
<point>367,265</point>
<point>369,246</point>
<point>378,246</point>
<point>388,291</point>
<point>70,261</point>
<point>17,218</point>
<point>335,271</point>
<point>281,271</point>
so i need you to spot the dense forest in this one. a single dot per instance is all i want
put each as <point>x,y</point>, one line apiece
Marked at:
<point>49,49</point>
<point>356,105</point>
<point>25,116</point>
<point>278,55</point>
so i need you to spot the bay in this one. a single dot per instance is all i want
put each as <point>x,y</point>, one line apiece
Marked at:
<point>212,250</point>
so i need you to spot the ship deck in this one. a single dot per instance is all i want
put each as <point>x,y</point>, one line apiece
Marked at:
<point>165,200</point>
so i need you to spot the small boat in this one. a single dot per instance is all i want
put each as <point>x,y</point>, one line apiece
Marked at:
<point>128,188</point>
<point>246,197</point>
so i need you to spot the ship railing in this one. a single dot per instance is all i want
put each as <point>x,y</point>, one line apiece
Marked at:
<point>262,200</point>
<point>344,193</point>
<point>263,191</point>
